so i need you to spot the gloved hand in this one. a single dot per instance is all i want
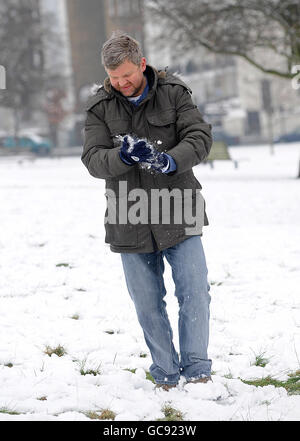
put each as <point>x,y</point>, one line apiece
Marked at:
<point>134,150</point>
<point>159,161</point>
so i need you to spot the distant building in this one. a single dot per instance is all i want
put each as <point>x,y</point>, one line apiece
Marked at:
<point>73,63</point>
<point>87,30</point>
<point>127,15</point>
<point>90,25</point>
<point>237,97</point>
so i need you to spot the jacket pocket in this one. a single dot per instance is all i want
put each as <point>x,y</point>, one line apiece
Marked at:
<point>162,128</point>
<point>163,118</point>
<point>118,127</point>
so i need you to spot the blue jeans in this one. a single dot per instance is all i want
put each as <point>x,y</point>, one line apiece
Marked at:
<point>145,283</point>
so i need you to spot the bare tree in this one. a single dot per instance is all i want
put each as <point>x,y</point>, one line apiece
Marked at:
<point>23,36</point>
<point>243,28</point>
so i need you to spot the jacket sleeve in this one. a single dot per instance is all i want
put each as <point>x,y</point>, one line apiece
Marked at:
<point>99,155</point>
<point>195,139</point>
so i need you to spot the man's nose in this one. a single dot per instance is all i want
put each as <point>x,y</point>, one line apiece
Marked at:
<point>122,82</point>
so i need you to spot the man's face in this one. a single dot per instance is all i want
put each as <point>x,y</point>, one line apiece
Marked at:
<point>128,78</point>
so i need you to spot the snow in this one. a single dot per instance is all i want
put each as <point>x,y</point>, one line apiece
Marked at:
<point>52,212</point>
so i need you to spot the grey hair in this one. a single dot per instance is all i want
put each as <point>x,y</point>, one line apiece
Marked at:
<point>118,48</point>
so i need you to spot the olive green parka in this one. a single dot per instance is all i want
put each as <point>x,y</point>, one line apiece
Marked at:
<point>169,119</point>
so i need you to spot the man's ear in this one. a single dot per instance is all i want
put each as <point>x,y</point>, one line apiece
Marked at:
<point>143,64</point>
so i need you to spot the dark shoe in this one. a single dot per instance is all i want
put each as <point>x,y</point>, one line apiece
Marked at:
<point>200,380</point>
<point>165,387</point>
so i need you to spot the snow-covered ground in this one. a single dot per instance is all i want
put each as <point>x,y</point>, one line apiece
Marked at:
<point>52,213</point>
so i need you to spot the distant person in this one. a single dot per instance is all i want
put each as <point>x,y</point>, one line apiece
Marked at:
<point>143,130</point>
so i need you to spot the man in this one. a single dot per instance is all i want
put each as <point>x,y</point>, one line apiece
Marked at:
<point>144,134</point>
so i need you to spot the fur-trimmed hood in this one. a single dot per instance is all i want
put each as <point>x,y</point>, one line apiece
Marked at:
<point>154,76</point>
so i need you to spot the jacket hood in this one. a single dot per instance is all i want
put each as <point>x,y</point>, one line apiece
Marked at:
<point>154,76</point>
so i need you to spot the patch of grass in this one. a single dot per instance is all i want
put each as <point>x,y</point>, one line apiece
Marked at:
<point>75,317</point>
<point>109,331</point>
<point>171,414</point>
<point>292,385</point>
<point>260,360</point>
<point>295,375</point>
<point>10,365</point>
<point>143,355</point>
<point>130,370</point>
<point>44,398</point>
<point>212,282</point>
<point>94,372</point>
<point>84,371</point>
<point>149,377</point>
<point>67,265</point>
<point>105,414</point>
<point>8,411</point>
<point>59,351</point>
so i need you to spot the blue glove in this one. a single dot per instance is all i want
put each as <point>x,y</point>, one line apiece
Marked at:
<point>133,151</point>
<point>159,160</point>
